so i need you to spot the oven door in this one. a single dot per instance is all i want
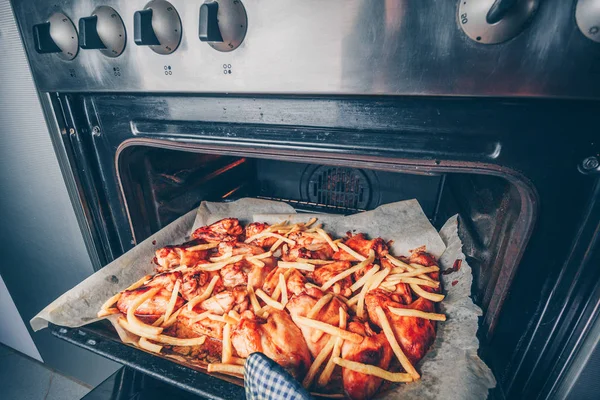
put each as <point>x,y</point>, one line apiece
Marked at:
<point>513,171</point>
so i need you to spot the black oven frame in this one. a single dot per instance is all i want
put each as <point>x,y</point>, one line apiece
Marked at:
<point>539,145</point>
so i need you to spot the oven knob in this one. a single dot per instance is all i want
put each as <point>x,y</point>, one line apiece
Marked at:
<point>57,35</point>
<point>587,15</point>
<point>103,30</point>
<point>157,26</point>
<point>223,24</point>
<point>494,21</point>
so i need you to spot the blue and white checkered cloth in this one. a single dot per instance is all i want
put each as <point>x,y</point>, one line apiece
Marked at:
<point>264,379</point>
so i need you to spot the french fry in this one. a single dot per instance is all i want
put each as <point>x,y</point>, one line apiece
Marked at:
<point>256,262</point>
<point>207,293</point>
<point>372,283</point>
<point>138,283</point>
<point>253,299</point>
<point>268,300</point>
<point>419,271</point>
<point>172,300</point>
<point>389,334</point>
<point>349,271</point>
<point>330,329</point>
<point>262,255</point>
<point>108,303</point>
<point>353,253</point>
<point>270,234</point>
<point>217,266</point>
<point>373,370</point>
<point>206,246</point>
<point>147,345</point>
<point>405,266</point>
<point>297,265</point>
<point>235,315</point>
<point>203,316</point>
<point>108,311</point>
<point>361,282</point>
<point>164,339</point>
<point>226,352</point>
<point>327,238</point>
<point>228,369</point>
<point>416,281</point>
<point>276,246</point>
<point>322,302</point>
<point>409,312</point>
<point>225,256</point>
<point>310,222</point>
<point>172,318</point>
<point>237,361</point>
<point>284,292</point>
<point>337,348</point>
<point>321,357</point>
<point>435,297</point>
<point>314,262</point>
<point>133,321</point>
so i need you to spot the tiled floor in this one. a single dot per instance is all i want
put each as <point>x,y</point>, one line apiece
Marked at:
<point>22,378</point>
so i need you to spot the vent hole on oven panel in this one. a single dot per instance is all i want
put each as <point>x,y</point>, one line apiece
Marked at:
<point>339,187</point>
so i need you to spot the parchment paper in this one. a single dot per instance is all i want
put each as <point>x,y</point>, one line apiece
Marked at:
<point>451,369</point>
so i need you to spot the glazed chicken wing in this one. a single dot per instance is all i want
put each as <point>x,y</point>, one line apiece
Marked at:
<point>326,272</point>
<point>277,337</point>
<point>254,229</point>
<point>318,251</point>
<point>206,326</point>
<point>227,300</point>
<point>170,257</point>
<point>295,281</point>
<point>415,335</point>
<point>237,248</point>
<point>373,350</point>
<point>362,246</point>
<point>157,305</point>
<point>244,273</point>
<point>301,304</point>
<point>225,230</point>
<point>196,281</point>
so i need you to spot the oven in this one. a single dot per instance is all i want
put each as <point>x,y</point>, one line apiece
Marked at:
<point>340,107</point>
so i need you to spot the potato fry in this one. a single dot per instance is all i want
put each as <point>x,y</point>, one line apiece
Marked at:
<point>226,352</point>
<point>256,262</point>
<point>206,246</point>
<point>416,281</point>
<point>330,329</point>
<point>147,345</point>
<point>321,357</point>
<point>405,266</point>
<point>349,271</point>
<point>172,318</point>
<point>135,322</point>
<point>268,300</point>
<point>419,271</point>
<point>217,266</point>
<point>228,369</point>
<point>297,265</point>
<point>172,300</point>
<point>373,370</point>
<point>353,253</point>
<point>409,312</point>
<point>337,349</point>
<point>322,302</point>
<point>276,246</point>
<point>108,311</point>
<point>237,361</point>
<point>138,283</point>
<point>284,292</point>
<point>164,339</point>
<point>314,262</point>
<point>225,256</point>
<point>110,302</point>
<point>372,283</point>
<point>270,234</point>
<point>389,334</point>
<point>207,293</point>
<point>253,300</point>
<point>235,315</point>
<point>310,222</point>
<point>361,282</point>
<point>435,297</point>
<point>328,239</point>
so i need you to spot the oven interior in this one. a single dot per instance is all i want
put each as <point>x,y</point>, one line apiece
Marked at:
<point>161,184</point>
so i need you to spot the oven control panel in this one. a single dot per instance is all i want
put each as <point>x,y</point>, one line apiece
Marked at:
<point>460,47</point>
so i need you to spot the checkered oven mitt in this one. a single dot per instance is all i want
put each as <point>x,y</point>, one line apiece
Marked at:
<point>264,379</point>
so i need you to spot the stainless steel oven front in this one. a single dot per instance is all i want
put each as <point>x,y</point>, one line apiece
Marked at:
<point>483,108</point>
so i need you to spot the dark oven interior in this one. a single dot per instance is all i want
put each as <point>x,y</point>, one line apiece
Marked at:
<point>139,170</point>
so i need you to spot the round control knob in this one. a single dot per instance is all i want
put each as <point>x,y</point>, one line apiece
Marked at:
<point>223,24</point>
<point>57,35</point>
<point>494,21</point>
<point>158,26</point>
<point>103,30</point>
<point>587,15</point>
